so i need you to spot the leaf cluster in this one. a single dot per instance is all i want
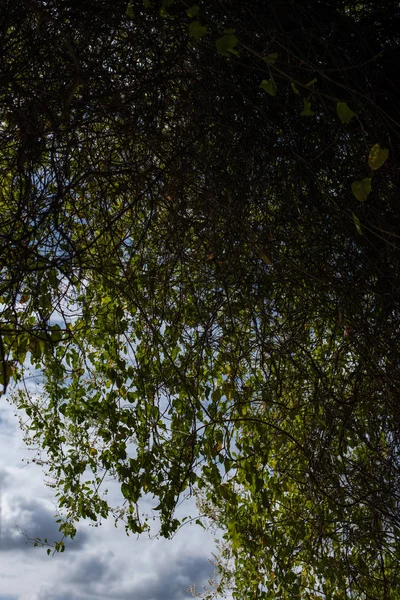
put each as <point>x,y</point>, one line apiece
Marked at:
<point>200,225</point>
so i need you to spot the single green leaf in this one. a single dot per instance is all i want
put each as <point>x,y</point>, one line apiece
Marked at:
<point>377,157</point>
<point>307,112</point>
<point>227,44</point>
<point>234,535</point>
<point>126,490</point>
<point>361,189</point>
<point>37,347</point>
<point>271,58</point>
<point>193,11</point>
<point>345,113</point>
<point>216,395</point>
<point>6,373</point>
<point>294,88</point>
<point>269,86</point>
<point>56,333</point>
<point>357,224</point>
<point>197,30</point>
<point>198,522</point>
<point>22,348</point>
<point>129,11</point>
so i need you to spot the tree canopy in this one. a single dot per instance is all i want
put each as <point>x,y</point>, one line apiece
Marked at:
<point>200,252</point>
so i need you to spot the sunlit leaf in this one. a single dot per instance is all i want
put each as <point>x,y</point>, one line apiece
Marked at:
<point>307,111</point>
<point>197,30</point>
<point>294,88</point>
<point>193,11</point>
<point>227,44</point>
<point>377,157</point>
<point>271,58</point>
<point>269,86</point>
<point>361,189</point>
<point>129,11</point>
<point>345,113</point>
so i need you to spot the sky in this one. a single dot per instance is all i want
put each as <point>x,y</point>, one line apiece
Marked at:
<point>101,562</point>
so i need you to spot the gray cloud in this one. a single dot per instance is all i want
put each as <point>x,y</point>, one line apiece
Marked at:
<point>5,479</point>
<point>172,580</point>
<point>46,594</point>
<point>104,577</point>
<point>93,570</point>
<point>25,519</point>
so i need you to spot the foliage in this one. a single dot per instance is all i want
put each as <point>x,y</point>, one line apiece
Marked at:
<point>181,257</point>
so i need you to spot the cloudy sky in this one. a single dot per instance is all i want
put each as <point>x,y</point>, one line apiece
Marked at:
<point>101,563</point>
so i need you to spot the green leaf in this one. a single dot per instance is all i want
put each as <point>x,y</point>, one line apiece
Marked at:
<point>126,491</point>
<point>6,371</point>
<point>357,224</point>
<point>234,535</point>
<point>216,395</point>
<point>269,86</point>
<point>37,347</point>
<point>197,30</point>
<point>307,112</point>
<point>129,11</point>
<point>227,44</point>
<point>22,348</point>
<point>169,257</point>
<point>377,157</point>
<point>294,88</point>
<point>56,333</point>
<point>361,189</point>
<point>345,113</point>
<point>271,58</point>
<point>198,522</point>
<point>193,11</point>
